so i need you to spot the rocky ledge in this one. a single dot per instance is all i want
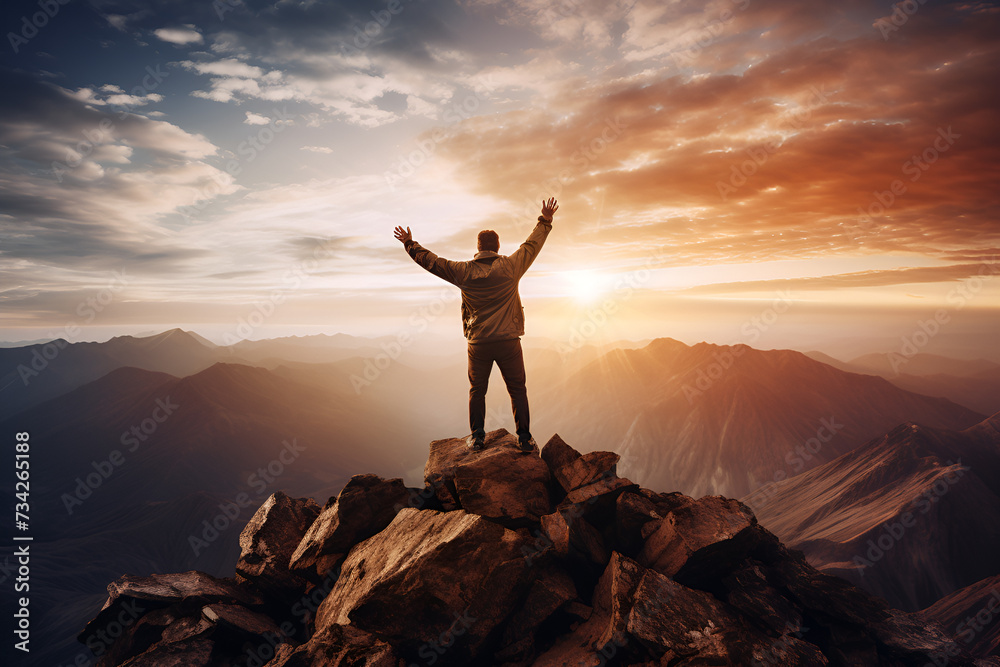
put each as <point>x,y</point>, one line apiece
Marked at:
<point>511,559</point>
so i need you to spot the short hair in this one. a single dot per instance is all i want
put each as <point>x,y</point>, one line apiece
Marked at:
<point>489,240</point>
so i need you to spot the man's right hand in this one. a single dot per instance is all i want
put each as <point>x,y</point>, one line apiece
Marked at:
<point>549,208</point>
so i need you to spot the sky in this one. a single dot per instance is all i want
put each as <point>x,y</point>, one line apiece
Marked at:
<point>774,172</point>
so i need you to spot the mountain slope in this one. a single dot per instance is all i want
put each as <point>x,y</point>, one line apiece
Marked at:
<point>36,373</point>
<point>971,615</point>
<point>911,516</point>
<point>209,447</point>
<point>713,419</point>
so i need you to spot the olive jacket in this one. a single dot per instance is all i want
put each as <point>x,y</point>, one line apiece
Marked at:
<point>491,305</point>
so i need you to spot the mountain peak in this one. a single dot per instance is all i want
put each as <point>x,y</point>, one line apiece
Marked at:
<point>506,558</point>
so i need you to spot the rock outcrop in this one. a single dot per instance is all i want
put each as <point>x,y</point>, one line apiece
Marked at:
<point>510,559</point>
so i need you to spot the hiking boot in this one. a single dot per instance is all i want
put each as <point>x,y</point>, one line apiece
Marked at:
<point>527,445</point>
<point>475,444</point>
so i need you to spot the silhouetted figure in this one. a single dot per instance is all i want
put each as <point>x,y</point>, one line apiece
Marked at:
<point>492,317</point>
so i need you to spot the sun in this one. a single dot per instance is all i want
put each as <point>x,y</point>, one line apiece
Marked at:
<point>584,286</point>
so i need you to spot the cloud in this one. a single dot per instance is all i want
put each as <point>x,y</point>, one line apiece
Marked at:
<point>256,119</point>
<point>881,278</point>
<point>226,67</point>
<point>771,162</point>
<point>179,36</point>
<point>85,188</point>
<point>114,96</point>
<point>723,133</point>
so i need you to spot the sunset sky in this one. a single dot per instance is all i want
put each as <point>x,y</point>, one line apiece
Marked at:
<point>830,167</point>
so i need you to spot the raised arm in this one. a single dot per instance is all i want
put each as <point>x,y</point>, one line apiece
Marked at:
<point>525,255</point>
<point>442,268</point>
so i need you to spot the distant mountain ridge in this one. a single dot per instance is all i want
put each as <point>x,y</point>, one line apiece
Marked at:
<point>708,419</point>
<point>973,383</point>
<point>911,516</point>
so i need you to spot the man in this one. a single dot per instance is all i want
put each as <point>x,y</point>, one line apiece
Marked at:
<point>492,317</point>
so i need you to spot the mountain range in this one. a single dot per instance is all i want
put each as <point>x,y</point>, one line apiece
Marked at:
<point>710,419</point>
<point>699,419</point>
<point>911,515</point>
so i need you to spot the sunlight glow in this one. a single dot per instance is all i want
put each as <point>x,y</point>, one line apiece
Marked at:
<point>585,286</point>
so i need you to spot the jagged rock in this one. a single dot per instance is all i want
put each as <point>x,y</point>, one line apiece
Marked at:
<point>184,628</point>
<point>163,637</point>
<point>665,503</point>
<point>641,615</point>
<point>168,588</point>
<point>281,655</point>
<point>365,506</point>
<point>193,652</point>
<point>705,538</point>
<point>603,492</point>
<point>570,535</point>
<point>632,512</point>
<point>499,483</point>
<point>168,623</point>
<point>268,541</point>
<point>556,453</point>
<point>337,646</point>
<point>587,469</point>
<point>425,498</point>
<point>431,580</point>
<point>550,592</point>
<point>709,586</point>
<point>214,636</point>
<point>665,616</point>
<point>131,597</point>
<point>750,593</point>
<point>239,619</point>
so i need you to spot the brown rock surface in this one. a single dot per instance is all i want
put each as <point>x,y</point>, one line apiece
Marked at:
<point>268,541</point>
<point>499,483</point>
<point>366,505</point>
<point>437,581</point>
<point>337,646</point>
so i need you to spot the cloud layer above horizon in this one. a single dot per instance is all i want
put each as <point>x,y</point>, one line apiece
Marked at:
<point>221,152</point>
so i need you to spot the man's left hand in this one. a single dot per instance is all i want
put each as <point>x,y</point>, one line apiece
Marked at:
<point>403,235</point>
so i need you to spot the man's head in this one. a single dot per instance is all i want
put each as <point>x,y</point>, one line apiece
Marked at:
<point>488,240</point>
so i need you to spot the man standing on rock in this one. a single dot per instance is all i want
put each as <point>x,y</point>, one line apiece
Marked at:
<point>492,317</point>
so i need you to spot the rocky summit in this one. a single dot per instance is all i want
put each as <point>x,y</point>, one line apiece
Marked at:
<point>510,559</point>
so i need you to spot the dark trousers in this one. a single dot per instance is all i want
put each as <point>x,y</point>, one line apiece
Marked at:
<point>507,355</point>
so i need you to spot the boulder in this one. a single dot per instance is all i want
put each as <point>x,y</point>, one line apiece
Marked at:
<point>239,620</point>
<point>571,536</point>
<point>665,502</point>
<point>503,579</point>
<point>748,590</point>
<point>632,512</point>
<point>556,453</point>
<point>366,505</point>
<point>600,496</point>
<point>193,652</point>
<point>641,616</point>
<point>138,635</point>
<point>703,540</point>
<point>440,583</point>
<point>551,592</point>
<point>336,646</point>
<point>499,483</point>
<point>131,597</point>
<point>664,616</point>
<point>268,541</point>
<point>587,469</point>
